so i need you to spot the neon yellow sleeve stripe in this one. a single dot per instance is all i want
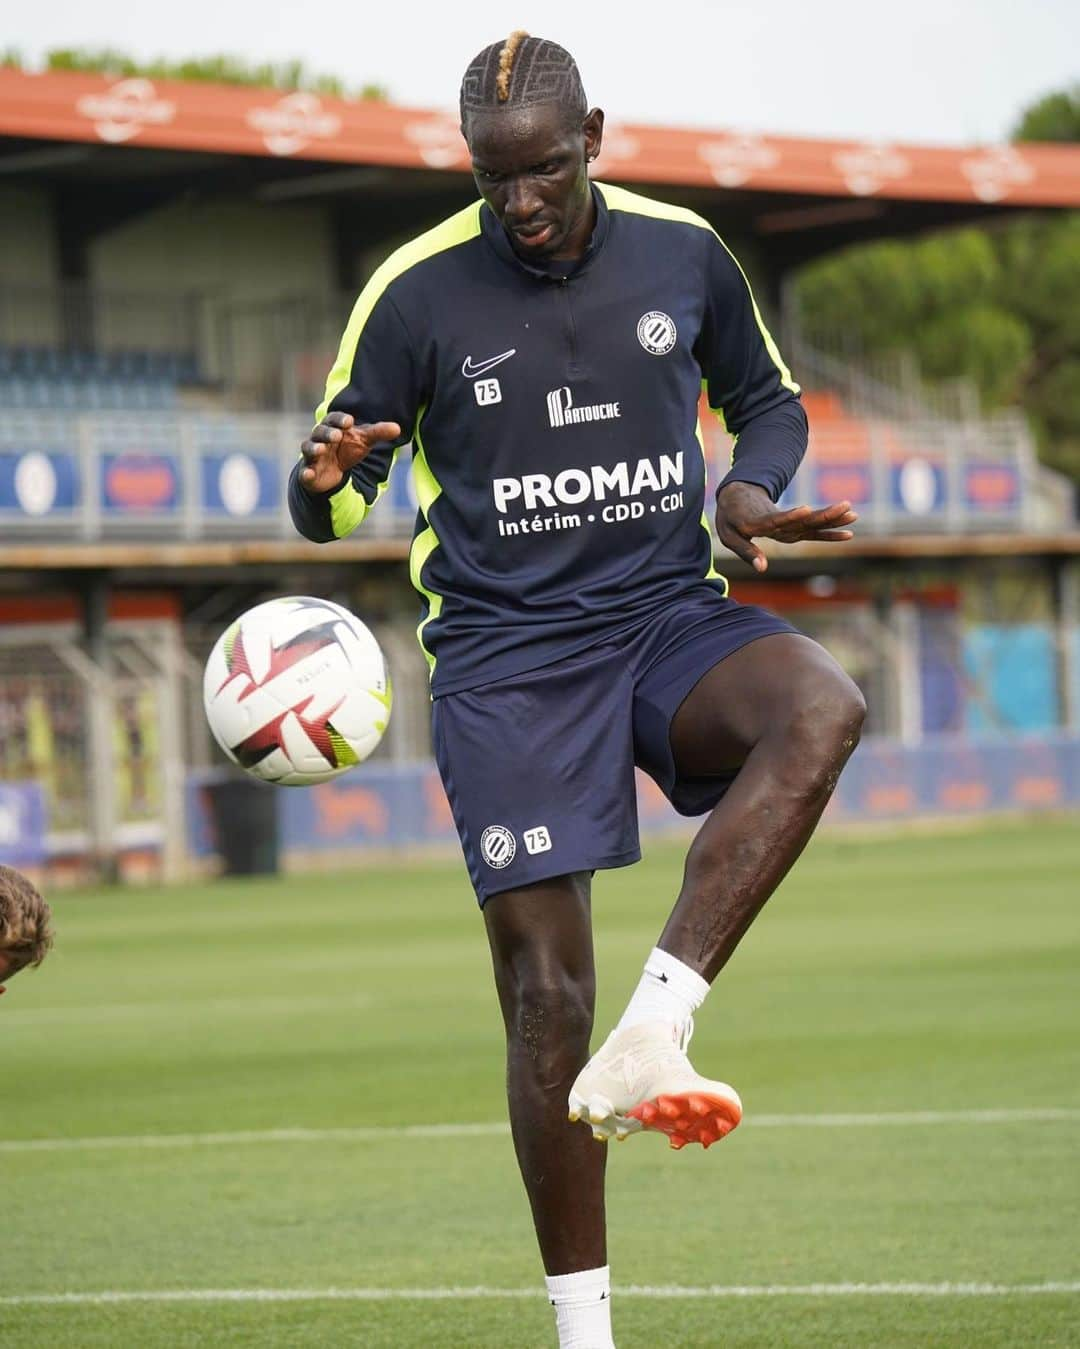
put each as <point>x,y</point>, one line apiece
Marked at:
<point>619,199</point>
<point>428,487</point>
<point>423,546</point>
<point>349,508</point>
<point>711,574</point>
<point>428,490</point>
<point>458,229</point>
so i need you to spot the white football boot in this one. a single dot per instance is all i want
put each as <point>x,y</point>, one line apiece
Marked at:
<point>641,1078</point>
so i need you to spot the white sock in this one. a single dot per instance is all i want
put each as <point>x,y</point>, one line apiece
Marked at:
<point>582,1305</point>
<point>667,991</point>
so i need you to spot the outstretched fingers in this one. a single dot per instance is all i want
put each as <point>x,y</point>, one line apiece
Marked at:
<point>833,535</point>
<point>829,523</point>
<point>806,517</point>
<point>338,444</point>
<point>842,513</point>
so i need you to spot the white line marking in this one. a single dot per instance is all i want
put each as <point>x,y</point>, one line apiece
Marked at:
<point>670,1291</point>
<point>852,1290</point>
<point>241,1138</point>
<point>380,1133</point>
<point>207,1009</point>
<point>904,1118</point>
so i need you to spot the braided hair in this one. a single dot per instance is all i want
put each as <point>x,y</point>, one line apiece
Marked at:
<point>522,72</point>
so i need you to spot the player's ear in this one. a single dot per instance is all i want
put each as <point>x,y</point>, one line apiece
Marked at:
<point>593,130</point>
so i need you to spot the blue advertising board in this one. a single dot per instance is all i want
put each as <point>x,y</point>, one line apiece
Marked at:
<point>374,806</point>
<point>38,483</point>
<point>238,486</point>
<point>402,806</point>
<point>23,820</point>
<point>958,775</point>
<point>917,487</point>
<point>140,484</point>
<point>1016,667</point>
<point>992,488</point>
<point>840,482</point>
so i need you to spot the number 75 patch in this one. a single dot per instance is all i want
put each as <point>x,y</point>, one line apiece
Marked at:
<point>537,840</point>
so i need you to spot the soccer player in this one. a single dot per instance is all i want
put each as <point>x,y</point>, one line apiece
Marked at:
<point>25,925</point>
<point>544,351</point>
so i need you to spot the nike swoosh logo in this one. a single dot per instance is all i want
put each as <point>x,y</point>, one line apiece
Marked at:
<point>470,371</point>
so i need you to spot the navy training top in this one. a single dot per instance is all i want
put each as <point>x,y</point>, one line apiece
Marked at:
<point>553,415</point>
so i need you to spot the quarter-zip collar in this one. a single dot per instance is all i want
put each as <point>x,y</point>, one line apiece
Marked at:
<point>499,240</point>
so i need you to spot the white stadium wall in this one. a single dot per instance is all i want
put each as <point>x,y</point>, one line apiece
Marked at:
<point>254,251</point>
<point>232,261</point>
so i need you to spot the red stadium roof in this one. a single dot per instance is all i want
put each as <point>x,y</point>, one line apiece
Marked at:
<point>264,122</point>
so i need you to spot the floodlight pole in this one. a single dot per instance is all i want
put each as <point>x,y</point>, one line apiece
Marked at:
<point>101,766</point>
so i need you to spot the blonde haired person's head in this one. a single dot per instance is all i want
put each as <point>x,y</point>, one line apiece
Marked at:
<point>25,924</point>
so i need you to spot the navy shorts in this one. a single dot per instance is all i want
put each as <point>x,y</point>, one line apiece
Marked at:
<point>539,767</point>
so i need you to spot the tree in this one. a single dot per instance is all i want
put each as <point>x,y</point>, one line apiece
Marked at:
<point>1000,306</point>
<point>220,69</point>
<point>1053,118</point>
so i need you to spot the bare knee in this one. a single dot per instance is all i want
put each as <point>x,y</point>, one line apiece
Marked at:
<point>813,729</point>
<point>837,711</point>
<point>823,725</point>
<point>548,1026</point>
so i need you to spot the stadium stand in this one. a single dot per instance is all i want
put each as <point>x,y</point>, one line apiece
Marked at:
<point>173,283</point>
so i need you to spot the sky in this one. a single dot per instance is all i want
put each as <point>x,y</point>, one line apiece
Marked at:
<point>931,71</point>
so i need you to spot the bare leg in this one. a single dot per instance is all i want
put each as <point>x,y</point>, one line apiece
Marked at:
<point>785,711</point>
<point>541,947</point>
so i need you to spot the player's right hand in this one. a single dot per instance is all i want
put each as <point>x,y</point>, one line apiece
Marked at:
<point>336,445</point>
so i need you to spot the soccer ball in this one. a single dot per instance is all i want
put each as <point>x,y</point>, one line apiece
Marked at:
<point>296,691</point>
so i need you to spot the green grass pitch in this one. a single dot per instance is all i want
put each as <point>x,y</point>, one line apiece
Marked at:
<point>915,973</point>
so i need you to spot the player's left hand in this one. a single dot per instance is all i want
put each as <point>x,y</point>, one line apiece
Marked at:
<point>745,511</point>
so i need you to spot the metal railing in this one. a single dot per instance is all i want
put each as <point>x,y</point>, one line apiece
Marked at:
<point>189,475</point>
<point>177,475</point>
<point>933,475</point>
<point>271,352</point>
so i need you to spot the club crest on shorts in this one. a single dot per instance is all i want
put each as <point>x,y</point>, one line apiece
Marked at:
<point>656,332</point>
<point>497,846</point>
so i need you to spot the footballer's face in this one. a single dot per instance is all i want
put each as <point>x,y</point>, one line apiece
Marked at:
<point>529,165</point>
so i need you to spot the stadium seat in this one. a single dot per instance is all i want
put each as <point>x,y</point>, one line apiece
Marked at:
<point>94,380</point>
<point>76,378</point>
